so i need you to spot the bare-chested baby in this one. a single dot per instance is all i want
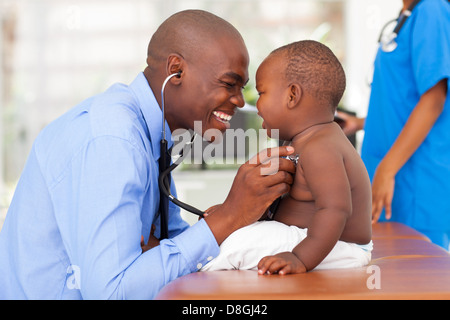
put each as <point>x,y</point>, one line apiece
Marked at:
<point>324,222</point>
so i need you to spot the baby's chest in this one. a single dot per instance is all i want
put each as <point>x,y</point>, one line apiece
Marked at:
<point>300,189</point>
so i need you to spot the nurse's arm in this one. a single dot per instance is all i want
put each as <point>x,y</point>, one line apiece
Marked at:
<point>416,129</point>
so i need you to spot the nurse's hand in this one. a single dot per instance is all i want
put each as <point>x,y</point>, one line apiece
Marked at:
<point>257,184</point>
<point>382,192</point>
<point>350,124</point>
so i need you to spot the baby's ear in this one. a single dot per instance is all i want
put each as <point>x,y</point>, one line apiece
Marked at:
<point>295,94</point>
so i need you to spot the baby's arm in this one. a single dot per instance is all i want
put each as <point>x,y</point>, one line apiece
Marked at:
<point>324,170</point>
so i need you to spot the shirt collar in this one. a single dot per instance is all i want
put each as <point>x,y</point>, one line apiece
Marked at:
<point>151,112</point>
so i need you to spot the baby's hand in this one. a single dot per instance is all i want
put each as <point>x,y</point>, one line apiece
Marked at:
<point>281,263</point>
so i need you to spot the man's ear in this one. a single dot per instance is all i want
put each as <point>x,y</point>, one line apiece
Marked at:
<point>175,64</point>
<point>295,93</point>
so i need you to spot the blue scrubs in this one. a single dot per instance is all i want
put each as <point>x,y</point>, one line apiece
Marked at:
<point>421,60</point>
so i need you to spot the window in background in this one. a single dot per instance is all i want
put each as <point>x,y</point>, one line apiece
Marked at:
<point>56,53</point>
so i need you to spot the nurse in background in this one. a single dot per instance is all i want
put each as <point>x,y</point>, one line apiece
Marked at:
<point>406,145</point>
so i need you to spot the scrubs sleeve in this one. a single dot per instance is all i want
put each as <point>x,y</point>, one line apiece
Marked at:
<point>431,44</point>
<point>104,237</point>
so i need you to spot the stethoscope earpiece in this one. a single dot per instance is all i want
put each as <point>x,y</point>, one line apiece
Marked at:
<point>165,168</point>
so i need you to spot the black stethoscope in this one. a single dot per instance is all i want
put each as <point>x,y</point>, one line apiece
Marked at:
<point>387,42</point>
<point>165,168</point>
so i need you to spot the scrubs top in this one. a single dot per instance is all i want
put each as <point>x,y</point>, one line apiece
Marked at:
<point>421,60</point>
<point>88,192</point>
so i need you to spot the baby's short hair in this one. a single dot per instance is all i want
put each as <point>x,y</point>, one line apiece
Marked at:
<point>316,68</point>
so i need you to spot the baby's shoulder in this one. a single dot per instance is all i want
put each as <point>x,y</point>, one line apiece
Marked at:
<point>319,145</point>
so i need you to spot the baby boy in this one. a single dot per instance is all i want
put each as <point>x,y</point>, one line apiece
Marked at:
<point>325,220</point>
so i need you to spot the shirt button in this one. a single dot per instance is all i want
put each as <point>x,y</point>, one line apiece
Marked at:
<point>209,258</point>
<point>199,266</point>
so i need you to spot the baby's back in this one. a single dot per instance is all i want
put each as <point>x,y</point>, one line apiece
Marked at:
<point>359,225</point>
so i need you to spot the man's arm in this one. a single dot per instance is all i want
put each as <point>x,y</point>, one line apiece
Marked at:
<point>109,181</point>
<point>111,178</point>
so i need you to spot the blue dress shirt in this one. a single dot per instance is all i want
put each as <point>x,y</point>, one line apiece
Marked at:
<point>88,192</point>
<point>401,77</point>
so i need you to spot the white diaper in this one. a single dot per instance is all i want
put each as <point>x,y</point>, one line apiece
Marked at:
<point>244,248</point>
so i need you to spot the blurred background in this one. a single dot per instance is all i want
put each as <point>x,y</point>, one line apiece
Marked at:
<point>56,53</point>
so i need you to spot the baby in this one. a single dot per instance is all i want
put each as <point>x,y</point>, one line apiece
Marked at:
<point>325,220</point>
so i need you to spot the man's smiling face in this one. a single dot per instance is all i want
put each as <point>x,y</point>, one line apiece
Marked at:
<point>212,84</point>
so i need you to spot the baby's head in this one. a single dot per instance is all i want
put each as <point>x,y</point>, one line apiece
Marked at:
<point>299,85</point>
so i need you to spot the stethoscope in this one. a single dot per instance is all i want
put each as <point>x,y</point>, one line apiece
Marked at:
<point>165,168</point>
<point>388,42</point>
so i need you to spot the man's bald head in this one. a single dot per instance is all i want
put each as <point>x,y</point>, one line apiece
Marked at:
<point>212,61</point>
<point>187,33</point>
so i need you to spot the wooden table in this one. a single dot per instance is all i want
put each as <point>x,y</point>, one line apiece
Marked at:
<point>405,265</point>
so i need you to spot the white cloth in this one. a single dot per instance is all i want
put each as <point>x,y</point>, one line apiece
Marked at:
<point>244,248</point>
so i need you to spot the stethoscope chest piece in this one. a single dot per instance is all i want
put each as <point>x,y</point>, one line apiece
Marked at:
<point>388,42</point>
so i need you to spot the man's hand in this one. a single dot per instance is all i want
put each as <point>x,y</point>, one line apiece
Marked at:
<point>260,181</point>
<point>257,184</point>
<point>281,263</point>
<point>152,241</point>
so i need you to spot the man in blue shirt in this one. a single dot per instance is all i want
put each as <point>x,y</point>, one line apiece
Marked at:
<point>406,145</point>
<point>89,189</point>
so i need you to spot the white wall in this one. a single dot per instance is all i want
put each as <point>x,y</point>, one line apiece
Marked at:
<point>364,20</point>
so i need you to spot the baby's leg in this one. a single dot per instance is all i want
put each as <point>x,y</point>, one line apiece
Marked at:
<point>244,248</point>
<point>347,255</point>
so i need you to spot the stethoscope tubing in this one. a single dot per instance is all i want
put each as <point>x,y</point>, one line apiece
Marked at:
<point>164,168</point>
<point>390,45</point>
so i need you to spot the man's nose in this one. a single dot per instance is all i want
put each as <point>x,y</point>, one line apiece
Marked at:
<point>238,99</point>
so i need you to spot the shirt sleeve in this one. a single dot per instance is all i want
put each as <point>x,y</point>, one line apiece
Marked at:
<point>110,180</point>
<point>431,44</point>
